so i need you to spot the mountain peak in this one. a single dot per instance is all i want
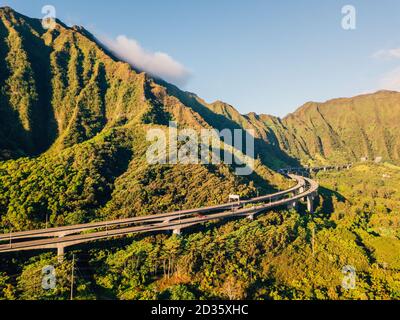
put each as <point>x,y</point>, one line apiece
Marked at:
<point>10,13</point>
<point>7,11</point>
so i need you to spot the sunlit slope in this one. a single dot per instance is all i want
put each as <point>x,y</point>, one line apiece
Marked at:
<point>345,129</point>
<point>73,124</point>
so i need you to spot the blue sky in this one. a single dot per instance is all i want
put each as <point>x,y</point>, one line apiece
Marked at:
<point>258,55</point>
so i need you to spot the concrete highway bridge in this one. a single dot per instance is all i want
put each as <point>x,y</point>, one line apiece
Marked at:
<point>309,170</point>
<point>63,237</point>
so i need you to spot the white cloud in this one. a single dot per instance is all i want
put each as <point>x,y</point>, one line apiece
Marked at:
<point>158,64</point>
<point>387,54</point>
<point>391,80</point>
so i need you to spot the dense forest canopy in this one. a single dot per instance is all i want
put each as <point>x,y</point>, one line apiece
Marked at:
<point>73,123</point>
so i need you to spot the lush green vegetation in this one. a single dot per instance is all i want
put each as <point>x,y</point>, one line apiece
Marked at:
<point>79,117</point>
<point>281,255</point>
<point>72,150</point>
<point>344,130</point>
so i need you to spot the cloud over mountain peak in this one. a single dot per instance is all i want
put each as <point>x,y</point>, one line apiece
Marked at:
<point>158,64</point>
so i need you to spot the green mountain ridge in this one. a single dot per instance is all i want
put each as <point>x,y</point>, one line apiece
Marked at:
<point>92,91</point>
<point>347,129</point>
<point>73,123</point>
<point>65,100</point>
<point>337,131</point>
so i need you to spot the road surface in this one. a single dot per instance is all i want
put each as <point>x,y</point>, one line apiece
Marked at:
<point>62,237</point>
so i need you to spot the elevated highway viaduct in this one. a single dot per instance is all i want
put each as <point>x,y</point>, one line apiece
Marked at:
<point>62,237</point>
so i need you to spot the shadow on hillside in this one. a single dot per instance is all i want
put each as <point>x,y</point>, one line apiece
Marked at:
<point>328,195</point>
<point>270,155</point>
<point>42,119</point>
<point>14,138</point>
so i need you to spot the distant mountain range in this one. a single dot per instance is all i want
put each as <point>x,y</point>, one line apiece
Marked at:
<point>65,99</point>
<point>339,130</point>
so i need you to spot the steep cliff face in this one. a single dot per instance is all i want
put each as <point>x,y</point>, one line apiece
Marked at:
<point>74,119</point>
<point>59,87</point>
<point>73,124</point>
<point>335,131</point>
<point>346,129</point>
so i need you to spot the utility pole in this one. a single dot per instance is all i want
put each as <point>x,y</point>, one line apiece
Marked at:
<point>179,217</point>
<point>72,277</point>
<point>313,241</point>
<point>46,220</point>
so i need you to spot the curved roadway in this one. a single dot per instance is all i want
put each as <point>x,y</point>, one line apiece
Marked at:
<point>78,234</point>
<point>68,230</point>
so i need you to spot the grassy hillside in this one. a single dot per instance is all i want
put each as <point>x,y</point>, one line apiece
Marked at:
<point>337,131</point>
<point>59,88</point>
<point>73,123</point>
<point>345,129</point>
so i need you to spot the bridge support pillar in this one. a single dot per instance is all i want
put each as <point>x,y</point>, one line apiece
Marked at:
<point>310,204</point>
<point>302,190</point>
<point>60,253</point>
<point>177,232</point>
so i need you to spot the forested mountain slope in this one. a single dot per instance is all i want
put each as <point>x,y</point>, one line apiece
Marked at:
<point>73,124</point>
<point>342,130</point>
<point>67,103</point>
